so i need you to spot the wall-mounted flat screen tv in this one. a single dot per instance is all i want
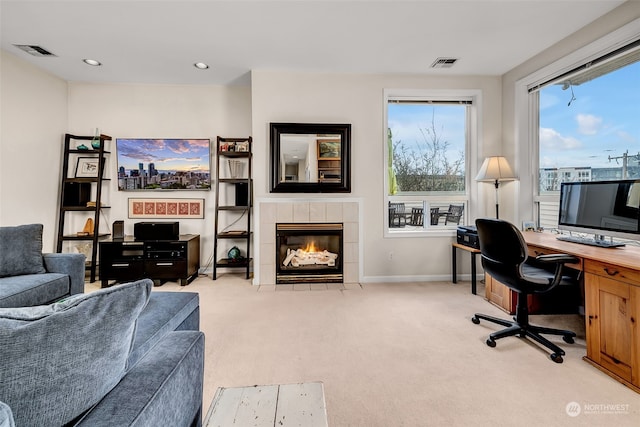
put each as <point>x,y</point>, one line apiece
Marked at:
<point>163,164</point>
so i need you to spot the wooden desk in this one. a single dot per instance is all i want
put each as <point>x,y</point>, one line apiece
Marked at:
<point>612,303</point>
<point>454,275</point>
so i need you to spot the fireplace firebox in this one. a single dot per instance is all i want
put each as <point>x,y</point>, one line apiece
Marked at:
<point>309,253</point>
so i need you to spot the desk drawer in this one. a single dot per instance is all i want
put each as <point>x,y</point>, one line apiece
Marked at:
<point>534,251</point>
<point>611,271</point>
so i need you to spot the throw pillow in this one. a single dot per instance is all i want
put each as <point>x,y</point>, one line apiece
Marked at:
<point>21,250</point>
<point>6,418</point>
<point>61,359</point>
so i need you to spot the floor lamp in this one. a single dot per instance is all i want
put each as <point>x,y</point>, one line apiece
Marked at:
<point>495,169</point>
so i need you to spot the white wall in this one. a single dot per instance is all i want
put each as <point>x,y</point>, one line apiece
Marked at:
<point>160,111</point>
<point>358,99</point>
<point>33,120</point>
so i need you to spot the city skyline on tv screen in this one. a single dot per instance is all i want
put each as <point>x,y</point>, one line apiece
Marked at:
<point>163,164</point>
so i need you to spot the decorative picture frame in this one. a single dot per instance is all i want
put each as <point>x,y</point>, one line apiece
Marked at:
<point>242,146</point>
<point>280,133</point>
<point>87,167</point>
<point>165,208</point>
<point>329,149</point>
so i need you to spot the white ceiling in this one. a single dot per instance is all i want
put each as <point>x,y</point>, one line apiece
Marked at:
<point>148,41</point>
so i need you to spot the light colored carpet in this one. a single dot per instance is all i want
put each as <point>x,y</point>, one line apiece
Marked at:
<point>400,355</point>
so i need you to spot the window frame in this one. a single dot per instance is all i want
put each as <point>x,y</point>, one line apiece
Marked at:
<point>526,120</point>
<point>473,131</point>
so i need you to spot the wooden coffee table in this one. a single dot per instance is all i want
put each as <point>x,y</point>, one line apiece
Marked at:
<point>269,405</point>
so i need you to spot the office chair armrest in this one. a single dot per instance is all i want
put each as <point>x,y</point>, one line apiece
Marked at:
<point>557,259</point>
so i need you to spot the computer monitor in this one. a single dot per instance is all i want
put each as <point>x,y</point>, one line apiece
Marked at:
<point>603,208</point>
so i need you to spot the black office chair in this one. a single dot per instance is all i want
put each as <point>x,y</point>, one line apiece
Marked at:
<point>504,256</point>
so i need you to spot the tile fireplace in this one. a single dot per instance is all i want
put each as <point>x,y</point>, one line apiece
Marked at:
<point>300,211</point>
<point>309,253</point>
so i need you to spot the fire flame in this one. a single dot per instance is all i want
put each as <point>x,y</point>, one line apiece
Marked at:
<point>311,247</point>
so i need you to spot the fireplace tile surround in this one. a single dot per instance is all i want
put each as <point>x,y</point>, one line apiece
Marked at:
<point>271,211</point>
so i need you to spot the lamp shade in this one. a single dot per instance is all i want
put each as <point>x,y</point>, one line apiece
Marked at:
<point>495,169</point>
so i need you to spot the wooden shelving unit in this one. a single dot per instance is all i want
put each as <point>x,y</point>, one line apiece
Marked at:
<point>237,230</point>
<point>76,191</point>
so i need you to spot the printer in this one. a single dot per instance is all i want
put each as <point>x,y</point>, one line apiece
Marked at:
<point>468,235</point>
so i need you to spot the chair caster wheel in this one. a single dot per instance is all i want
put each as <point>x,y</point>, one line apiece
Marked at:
<point>491,343</point>
<point>475,320</point>
<point>568,339</point>
<point>556,358</point>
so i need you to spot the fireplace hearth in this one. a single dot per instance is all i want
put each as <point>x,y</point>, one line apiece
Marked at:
<point>309,253</point>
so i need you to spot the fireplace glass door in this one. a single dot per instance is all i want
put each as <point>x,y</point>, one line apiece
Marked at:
<point>309,253</point>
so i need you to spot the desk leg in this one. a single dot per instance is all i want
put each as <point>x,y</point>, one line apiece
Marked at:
<point>473,273</point>
<point>454,277</point>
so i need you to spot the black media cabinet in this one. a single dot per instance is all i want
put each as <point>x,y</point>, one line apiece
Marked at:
<point>160,260</point>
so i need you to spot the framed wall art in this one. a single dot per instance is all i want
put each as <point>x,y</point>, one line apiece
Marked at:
<point>329,149</point>
<point>159,208</point>
<point>87,167</point>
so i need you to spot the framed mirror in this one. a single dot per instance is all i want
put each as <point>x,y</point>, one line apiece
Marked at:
<point>310,158</point>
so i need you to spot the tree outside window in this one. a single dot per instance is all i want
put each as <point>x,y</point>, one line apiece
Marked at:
<point>426,145</point>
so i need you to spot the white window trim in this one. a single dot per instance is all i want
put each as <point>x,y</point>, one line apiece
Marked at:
<point>526,110</point>
<point>474,145</point>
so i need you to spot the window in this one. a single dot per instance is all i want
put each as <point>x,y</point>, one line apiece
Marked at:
<point>427,144</point>
<point>588,126</point>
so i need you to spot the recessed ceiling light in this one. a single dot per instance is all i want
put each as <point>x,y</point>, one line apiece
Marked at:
<point>201,65</point>
<point>92,62</point>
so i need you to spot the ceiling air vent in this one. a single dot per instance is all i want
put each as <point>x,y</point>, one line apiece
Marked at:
<point>34,50</point>
<point>444,62</point>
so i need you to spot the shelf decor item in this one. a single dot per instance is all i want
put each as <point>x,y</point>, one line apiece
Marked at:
<point>234,253</point>
<point>87,167</point>
<point>95,142</point>
<point>236,168</point>
<point>88,228</point>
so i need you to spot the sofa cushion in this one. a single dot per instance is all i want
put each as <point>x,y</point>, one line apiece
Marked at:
<point>59,360</point>
<point>165,312</point>
<point>33,289</point>
<point>163,389</point>
<point>21,250</point>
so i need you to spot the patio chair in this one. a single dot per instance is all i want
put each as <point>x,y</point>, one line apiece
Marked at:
<point>453,215</point>
<point>417,217</point>
<point>435,216</point>
<point>397,217</point>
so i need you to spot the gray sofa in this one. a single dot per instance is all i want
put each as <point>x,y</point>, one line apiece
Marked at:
<point>28,277</point>
<point>120,356</point>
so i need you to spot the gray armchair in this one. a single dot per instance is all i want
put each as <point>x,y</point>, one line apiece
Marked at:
<point>70,264</point>
<point>28,277</point>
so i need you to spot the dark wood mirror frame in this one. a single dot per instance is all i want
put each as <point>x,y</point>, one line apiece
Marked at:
<point>336,185</point>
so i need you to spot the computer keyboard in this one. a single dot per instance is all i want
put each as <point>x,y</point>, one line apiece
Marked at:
<point>590,241</point>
